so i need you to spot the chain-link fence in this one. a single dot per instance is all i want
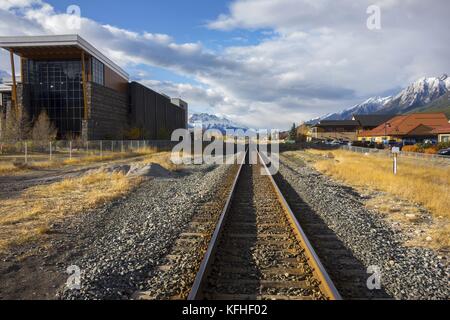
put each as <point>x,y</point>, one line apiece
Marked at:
<point>31,151</point>
<point>433,158</point>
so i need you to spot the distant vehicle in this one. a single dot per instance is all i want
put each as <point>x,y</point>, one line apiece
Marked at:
<point>335,143</point>
<point>445,152</point>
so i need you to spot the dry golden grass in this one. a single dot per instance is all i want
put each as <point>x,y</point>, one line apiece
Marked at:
<point>94,159</point>
<point>8,168</point>
<point>163,159</point>
<point>27,217</point>
<point>416,182</point>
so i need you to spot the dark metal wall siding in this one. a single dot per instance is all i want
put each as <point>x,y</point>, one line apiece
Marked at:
<point>108,112</point>
<point>153,112</point>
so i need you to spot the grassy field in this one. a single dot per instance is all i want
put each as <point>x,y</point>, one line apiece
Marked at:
<point>27,216</point>
<point>416,182</point>
<point>12,167</point>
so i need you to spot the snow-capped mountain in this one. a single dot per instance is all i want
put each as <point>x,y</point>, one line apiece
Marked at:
<point>419,94</point>
<point>370,106</point>
<point>415,97</point>
<point>209,121</point>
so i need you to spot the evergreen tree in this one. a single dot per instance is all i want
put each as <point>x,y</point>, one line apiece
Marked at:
<point>293,133</point>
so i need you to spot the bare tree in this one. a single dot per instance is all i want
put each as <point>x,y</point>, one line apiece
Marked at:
<point>16,126</point>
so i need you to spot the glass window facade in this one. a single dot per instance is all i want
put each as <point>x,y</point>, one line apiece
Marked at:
<point>6,97</point>
<point>56,86</point>
<point>98,72</point>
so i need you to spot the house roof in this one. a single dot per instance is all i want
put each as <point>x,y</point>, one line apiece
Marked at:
<point>61,44</point>
<point>407,124</point>
<point>373,120</point>
<point>443,129</point>
<point>337,123</point>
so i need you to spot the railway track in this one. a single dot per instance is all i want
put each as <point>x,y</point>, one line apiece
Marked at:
<point>258,250</point>
<point>348,273</point>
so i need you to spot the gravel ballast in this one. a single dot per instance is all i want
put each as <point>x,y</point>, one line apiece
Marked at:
<point>406,272</point>
<point>125,240</point>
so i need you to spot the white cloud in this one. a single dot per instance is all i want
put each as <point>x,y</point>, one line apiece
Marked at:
<point>317,57</point>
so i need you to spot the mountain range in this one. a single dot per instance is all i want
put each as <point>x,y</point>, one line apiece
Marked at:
<point>209,121</point>
<point>424,95</point>
<point>4,76</point>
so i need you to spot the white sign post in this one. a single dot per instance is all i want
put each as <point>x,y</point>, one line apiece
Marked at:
<point>395,152</point>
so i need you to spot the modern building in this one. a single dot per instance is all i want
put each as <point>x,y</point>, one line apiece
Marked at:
<point>85,93</point>
<point>5,95</point>
<point>412,128</point>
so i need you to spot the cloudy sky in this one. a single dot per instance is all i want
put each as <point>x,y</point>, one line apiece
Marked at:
<point>263,63</point>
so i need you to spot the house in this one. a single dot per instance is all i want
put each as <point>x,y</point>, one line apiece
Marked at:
<point>443,133</point>
<point>412,128</point>
<point>346,130</point>
<point>371,121</point>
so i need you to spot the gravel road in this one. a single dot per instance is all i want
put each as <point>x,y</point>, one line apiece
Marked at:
<point>406,272</point>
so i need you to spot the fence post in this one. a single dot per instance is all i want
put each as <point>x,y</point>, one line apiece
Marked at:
<point>87,148</point>
<point>112,146</point>
<point>101,149</point>
<point>121,146</point>
<point>51,151</point>
<point>70,150</point>
<point>26,152</point>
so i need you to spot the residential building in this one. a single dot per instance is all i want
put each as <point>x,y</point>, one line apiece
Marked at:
<point>347,130</point>
<point>371,121</point>
<point>85,93</point>
<point>443,133</point>
<point>412,128</point>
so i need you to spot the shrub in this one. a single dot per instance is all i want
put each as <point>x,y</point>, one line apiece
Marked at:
<point>443,145</point>
<point>432,150</point>
<point>43,130</point>
<point>134,134</point>
<point>414,148</point>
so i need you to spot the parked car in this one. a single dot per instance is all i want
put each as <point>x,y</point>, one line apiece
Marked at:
<point>445,152</point>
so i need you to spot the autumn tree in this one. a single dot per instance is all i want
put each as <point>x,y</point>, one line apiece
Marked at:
<point>16,126</point>
<point>43,129</point>
<point>303,132</point>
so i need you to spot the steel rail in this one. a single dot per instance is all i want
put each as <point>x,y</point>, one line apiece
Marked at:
<point>326,284</point>
<point>203,272</point>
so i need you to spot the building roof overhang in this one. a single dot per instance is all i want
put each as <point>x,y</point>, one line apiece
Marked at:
<point>56,46</point>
